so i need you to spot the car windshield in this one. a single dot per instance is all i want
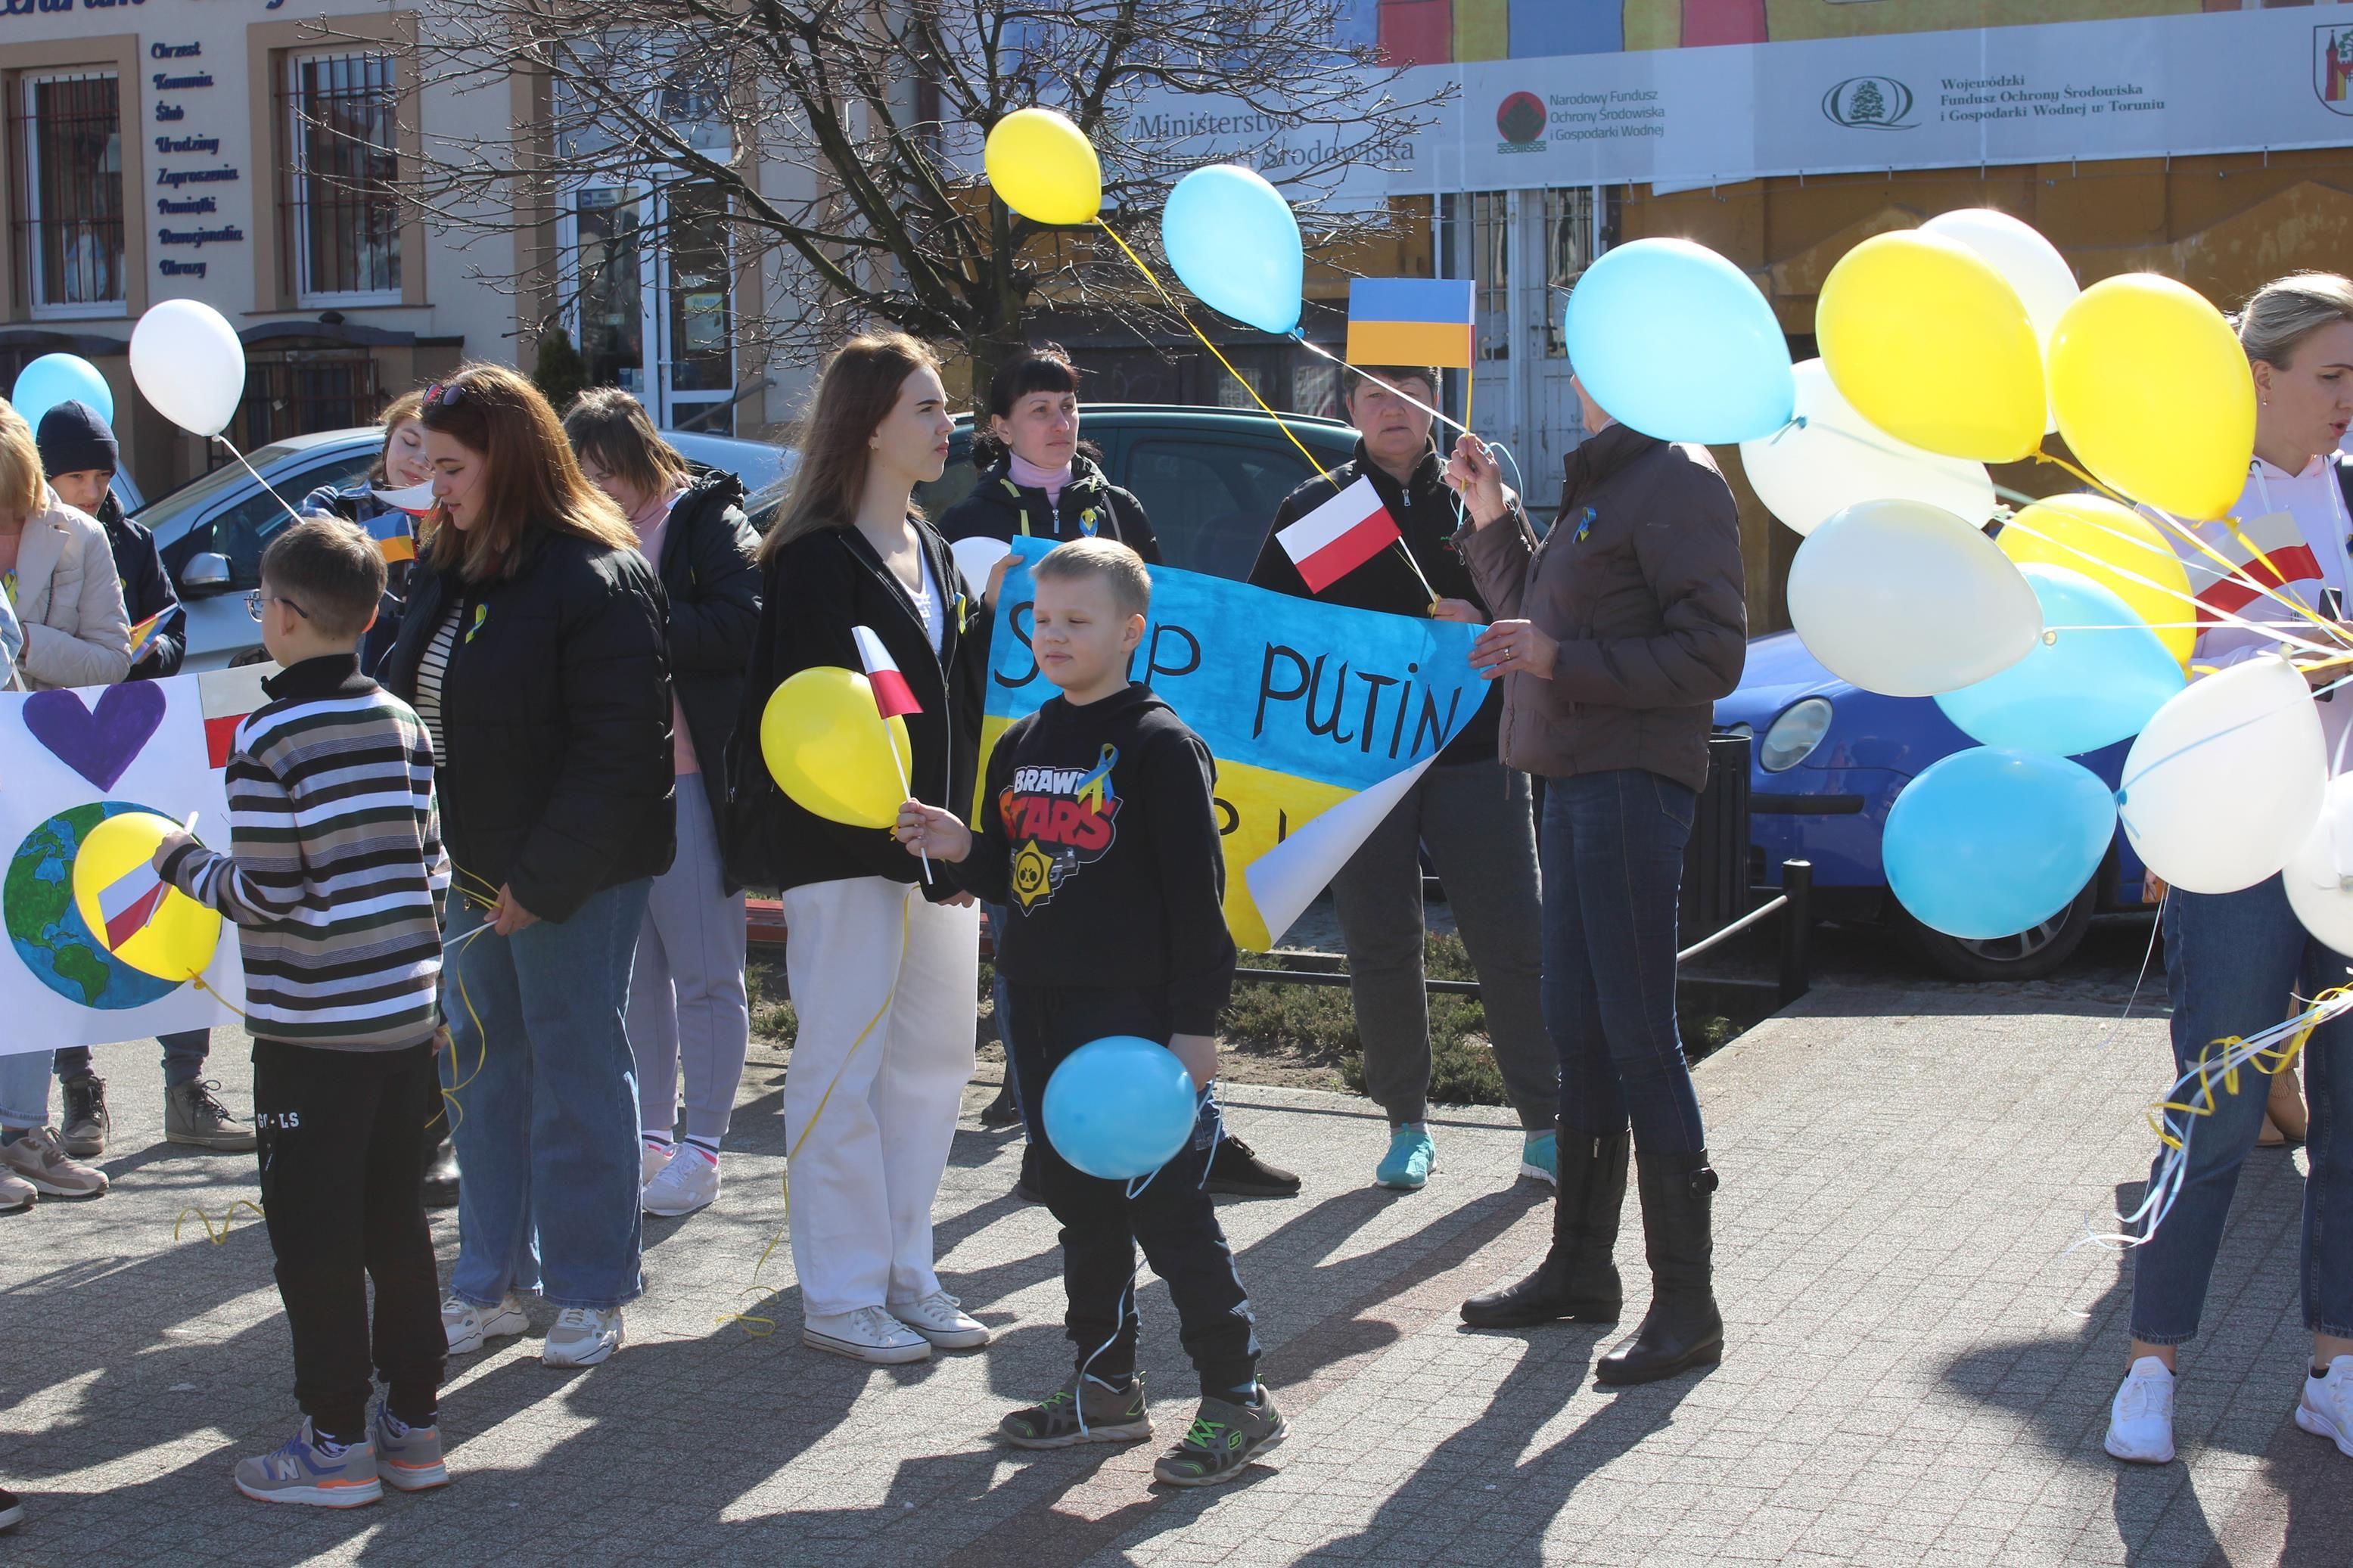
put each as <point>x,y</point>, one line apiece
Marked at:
<point>204,487</point>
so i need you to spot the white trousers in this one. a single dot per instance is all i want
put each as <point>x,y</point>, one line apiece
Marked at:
<point>869,1111</point>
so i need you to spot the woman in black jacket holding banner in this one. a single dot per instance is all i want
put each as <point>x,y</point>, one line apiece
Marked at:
<point>534,649</point>
<point>883,967</point>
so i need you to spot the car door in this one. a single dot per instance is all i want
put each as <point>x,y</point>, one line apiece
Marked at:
<point>221,629</point>
<point>1212,498</point>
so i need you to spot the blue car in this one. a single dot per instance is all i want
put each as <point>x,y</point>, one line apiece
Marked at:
<point>1826,760</point>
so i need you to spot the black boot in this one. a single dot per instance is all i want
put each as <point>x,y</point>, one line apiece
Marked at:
<point>1577,1280</point>
<point>1002,1111</point>
<point>440,1182</point>
<point>1683,1328</point>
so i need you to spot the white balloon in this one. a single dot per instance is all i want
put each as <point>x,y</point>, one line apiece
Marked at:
<point>2319,875</point>
<point>1903,598</point>
<point>188,363</point>
<point>2028,263</point>
<point>1831,456</point>
<point>977,557</point>
<point>2226,782</point>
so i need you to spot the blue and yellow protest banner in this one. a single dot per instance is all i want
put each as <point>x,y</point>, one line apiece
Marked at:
<point>1321,717</point>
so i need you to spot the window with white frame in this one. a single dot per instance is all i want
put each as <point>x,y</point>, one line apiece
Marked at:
<point>343,227</point>
<point>70,194</point>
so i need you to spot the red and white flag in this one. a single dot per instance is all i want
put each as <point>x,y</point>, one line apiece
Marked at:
<point>2269,550</point>
<point>1340,535</point>
<point>892,695</point>
<point>129,902</point>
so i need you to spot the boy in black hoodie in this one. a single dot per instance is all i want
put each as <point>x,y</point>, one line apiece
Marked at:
<point>1099,834</point>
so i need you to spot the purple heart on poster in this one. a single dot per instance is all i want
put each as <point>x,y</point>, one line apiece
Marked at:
<point>97,744</point>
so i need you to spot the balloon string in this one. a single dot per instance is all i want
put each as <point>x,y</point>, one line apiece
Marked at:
<point>228,1213</point>
<point>784,1179</point>
<point>257,477</point>
<point>1403,398</point>
<point>1162,290</point>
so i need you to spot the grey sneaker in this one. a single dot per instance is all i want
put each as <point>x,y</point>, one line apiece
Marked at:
<point>15,1193</point>
<point>193,1116</point>
<point>85,1127</point>
<point>1053,1421</point>
<point>303,1472</point>
<point>583,1336</point>
<point>1223,1439</point>
<point>410,1459</point>
<point>40,1159</point>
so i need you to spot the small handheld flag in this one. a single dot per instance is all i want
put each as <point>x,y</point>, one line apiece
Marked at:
<point>893,698</point>
<point>129,902</point>
<point>1340,535</point>
<point>142,633</point>
<point>1411,321</point>
<point>892,695</point>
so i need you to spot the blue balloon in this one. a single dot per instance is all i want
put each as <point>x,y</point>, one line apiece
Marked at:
<point>1120,1106</point>
<point>1674,340</point>
<point>2077,690</point>
<point>1232,241</point>
<point>1988,843</point>
<point>53,379</point>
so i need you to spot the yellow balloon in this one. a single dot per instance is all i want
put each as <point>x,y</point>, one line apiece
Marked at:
<point>178,940</point>
<point>1932,345</point>
<point>2154,394</point>
<point>1043,167</point>
<point>2116,548</point>
<point>830,747</point>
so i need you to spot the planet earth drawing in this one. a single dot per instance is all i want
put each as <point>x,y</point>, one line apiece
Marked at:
<point>38,902</point>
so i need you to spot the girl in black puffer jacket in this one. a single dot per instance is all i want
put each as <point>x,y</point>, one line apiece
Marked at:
<point>1036,480</point>
<point>689,1015</point>
<point>534,649</point>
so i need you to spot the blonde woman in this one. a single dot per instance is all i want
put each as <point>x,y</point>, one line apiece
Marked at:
<point>2233,961</point>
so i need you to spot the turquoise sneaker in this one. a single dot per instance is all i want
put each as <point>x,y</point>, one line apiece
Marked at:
<point>304,1473</point>
<point>1410,1159</point>
<point>1540,1158</point>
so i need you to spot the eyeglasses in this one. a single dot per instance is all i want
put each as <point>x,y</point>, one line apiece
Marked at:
<point>445,394</point>
<point>255,600</point>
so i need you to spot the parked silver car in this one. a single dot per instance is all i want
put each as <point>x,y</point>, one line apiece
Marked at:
<point>212,529</point>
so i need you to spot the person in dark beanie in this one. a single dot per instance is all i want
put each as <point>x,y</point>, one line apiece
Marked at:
<point>80,456</point>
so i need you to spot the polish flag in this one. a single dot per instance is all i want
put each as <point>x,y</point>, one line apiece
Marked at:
<point>2270,550</point>
<point>1340,535</point>
<point>891,693</point>
<point>129,902</point>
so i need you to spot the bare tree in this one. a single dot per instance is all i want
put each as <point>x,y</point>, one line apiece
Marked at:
<point>840,140</point>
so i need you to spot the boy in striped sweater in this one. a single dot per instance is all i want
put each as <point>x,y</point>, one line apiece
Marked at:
<point>335,880</point>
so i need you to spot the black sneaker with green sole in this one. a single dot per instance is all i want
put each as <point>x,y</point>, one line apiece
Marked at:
<point>1111,1416</point>
<point>1224,1438</point>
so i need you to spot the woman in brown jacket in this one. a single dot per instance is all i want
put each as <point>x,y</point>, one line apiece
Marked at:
<point>1616,634</point>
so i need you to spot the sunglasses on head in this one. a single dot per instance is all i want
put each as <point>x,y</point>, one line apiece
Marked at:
<point>443,394</point>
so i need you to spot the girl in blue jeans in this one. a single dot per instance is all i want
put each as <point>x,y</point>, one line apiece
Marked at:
<point>2234,963</point>
<point>532,648</point>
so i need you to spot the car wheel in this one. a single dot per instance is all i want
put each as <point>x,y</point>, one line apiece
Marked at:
<point>2029,955</point>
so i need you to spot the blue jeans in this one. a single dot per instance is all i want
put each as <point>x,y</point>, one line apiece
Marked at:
<point>547,1103</point>
<point>1611,851</point>
<point>184,1058</point>
<point>2232,961</point>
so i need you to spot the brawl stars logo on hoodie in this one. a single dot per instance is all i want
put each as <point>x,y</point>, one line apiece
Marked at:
<point>1058,820</point>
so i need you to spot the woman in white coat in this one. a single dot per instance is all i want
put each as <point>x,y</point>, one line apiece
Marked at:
<point>57,572</point>
<point>60,574</point>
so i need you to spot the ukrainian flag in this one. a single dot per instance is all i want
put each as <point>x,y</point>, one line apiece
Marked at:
<point>1410,321</point>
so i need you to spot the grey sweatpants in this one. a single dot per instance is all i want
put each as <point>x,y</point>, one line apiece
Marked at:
<point>686,994</point>
<point>1475,820</point>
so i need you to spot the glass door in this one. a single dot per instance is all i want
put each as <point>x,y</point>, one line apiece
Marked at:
<point>613,279</point>
<point>657,321</point>
<point>697,335</point>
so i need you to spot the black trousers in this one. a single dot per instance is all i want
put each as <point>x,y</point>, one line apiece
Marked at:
<point>1172,1218</point>
<point>340,1159</point>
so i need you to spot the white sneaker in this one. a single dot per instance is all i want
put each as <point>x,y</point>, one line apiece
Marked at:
<point>2327,1408</point>
<point>937,1317</point>
<point>867,1333</point>
<point>690,1181</point>
<point>583,1336</point>
<point>2140,1420</point>
<point>468,1326</point>
<point>15,1193</point>
<point>650,1162</point>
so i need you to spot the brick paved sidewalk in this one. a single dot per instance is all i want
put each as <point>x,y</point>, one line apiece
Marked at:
<point>1917,1372</point>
